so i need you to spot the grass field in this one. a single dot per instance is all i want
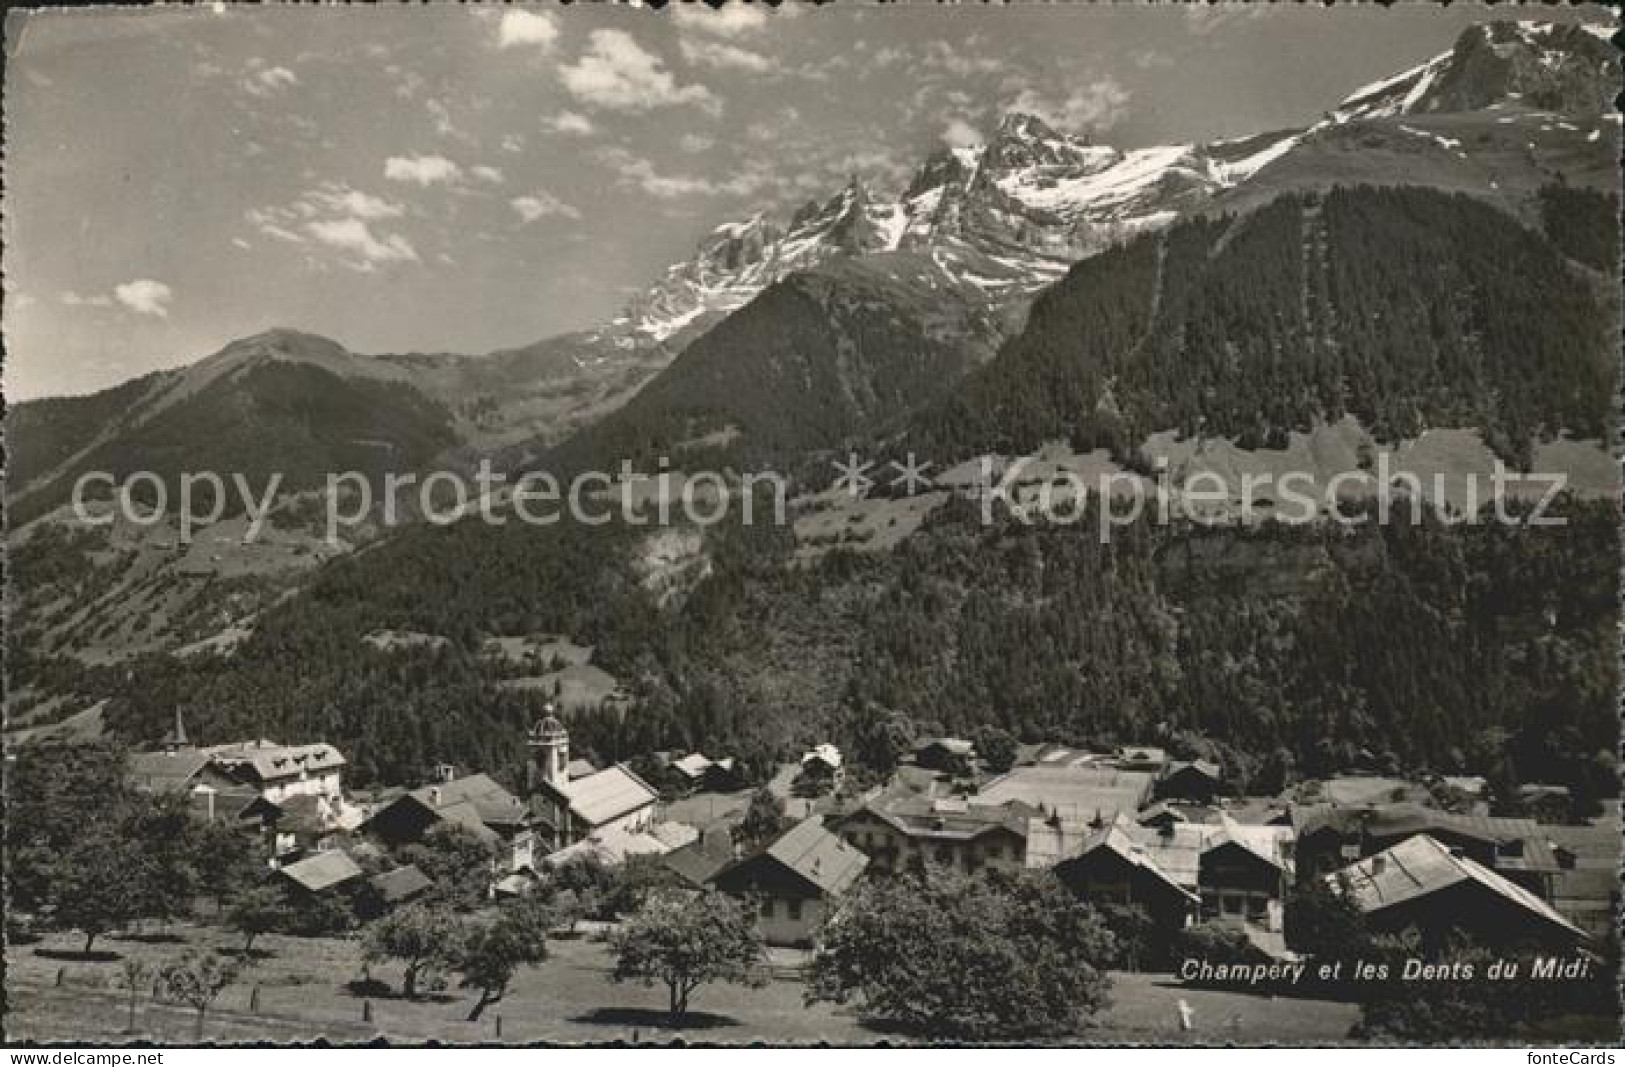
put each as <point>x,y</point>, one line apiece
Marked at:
<point>305,994</point>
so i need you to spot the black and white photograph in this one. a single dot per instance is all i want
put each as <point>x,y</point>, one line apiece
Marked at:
<point>811,524</point>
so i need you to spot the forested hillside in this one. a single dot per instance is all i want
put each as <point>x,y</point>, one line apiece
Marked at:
<point>1483,648</point>
<point>1407,308</point>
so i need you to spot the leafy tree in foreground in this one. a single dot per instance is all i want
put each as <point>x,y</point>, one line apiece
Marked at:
<point>422,936</point>
<point>492,954</point>
<point>93,888</point>
<point>197,979</point>
<point>260,909</point>
<point>684,943</point>
<point>966,957</point>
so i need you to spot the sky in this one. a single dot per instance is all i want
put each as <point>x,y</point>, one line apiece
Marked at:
<point>473,178</point>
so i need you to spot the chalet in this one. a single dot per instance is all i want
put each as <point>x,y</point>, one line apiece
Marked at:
<point>565,810</point>
<point>795,881</point>
<point>1112,868</point>
<point>951,755</point>
<point>690,770</point>
<point>1330,838</point>
<point>1238,870</point>
<point>1159,816</point>
<point>281,771</point>
<point>1194,781</point>
<point>1425,884</point>
<point>614,845</point>
<point>323,873</point>
<point>301,823</point>
<point>725,775</point>
<point>476,803</point>
<point>697,862</point>
<point>1142,758</point>
<point>400,886</point>
<point>1072,791</point>
<point>901,832</point>
<point>823,766</point>
<point>1244,873</point>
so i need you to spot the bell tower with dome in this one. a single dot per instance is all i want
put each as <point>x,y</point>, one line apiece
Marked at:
<point>549,743</point>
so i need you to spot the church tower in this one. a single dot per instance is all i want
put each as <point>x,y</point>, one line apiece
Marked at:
<point>176,739</point>
<point>549,743</point>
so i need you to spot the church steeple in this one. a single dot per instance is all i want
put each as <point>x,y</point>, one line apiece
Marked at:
<point>549,743</point>
<point>176,740</point>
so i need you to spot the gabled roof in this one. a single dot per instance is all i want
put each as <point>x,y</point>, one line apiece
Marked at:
<point>267,761</point>
<point>605,796</point>
<point>162,772</point>
<point>322,871</point>
<point>399,884</point>
<point>954,746</point>
<point>612,846</point>
<point>940,819</point>
<point>491,804</point>
<point>1419,866</point>
<point>699,861</point>
<point>1206,768</point>
<point>1074,791</point>
<point>692,765</point>
<point>1114,839</point>
<point>580,768</point>
<point>818,856</point>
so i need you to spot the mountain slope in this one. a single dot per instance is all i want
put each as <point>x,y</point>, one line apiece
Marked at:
<point>818,357</point>
<point>1406,308</point>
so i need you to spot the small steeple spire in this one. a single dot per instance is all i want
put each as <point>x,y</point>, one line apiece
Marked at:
<point>176,739</point>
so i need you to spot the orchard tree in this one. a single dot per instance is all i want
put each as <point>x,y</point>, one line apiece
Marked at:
<point>259,909</point>
<point>966,957</point>
<point>685,942</point>
<point>424,937</point>
<point>93,890</point>
<point>197,980</point>
<point>492,953</point>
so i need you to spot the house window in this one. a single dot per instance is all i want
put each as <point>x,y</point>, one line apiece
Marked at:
<point>794,907</point>
<point>767,908</point>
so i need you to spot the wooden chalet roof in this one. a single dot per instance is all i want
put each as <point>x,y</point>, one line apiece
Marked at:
<point>324,870</point>
<point>1421,865</point>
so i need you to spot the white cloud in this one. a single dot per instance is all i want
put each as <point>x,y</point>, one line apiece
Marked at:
<point>487,174</point>
<point>513,143</point>
<point>616,73</point>
<point>718,54</point>
<point>635,170</point>
<point>354,236</point>
<point>74,300</point>
<point>341,199</point>
<point>425,170</point>
<point>268,81</point>
<point>519,28</point>
<point>730,20</point>
<point>145,297</point>
<point>693,143</point>
<point>1099,105</point>
<point>570,122</point>
<point>961,134</point>
<point>541,204</point>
